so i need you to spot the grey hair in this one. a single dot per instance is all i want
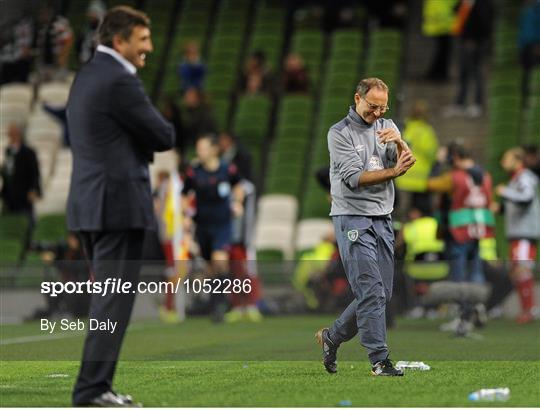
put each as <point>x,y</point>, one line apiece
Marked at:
<point>367,84</point>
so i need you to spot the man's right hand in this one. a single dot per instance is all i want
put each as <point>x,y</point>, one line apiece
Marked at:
<point>404,162</point>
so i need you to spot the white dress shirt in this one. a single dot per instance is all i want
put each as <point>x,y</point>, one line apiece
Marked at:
<point>118,57</point>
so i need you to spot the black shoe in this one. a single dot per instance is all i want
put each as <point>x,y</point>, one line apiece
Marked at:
<point>218,313</point>
<point>480,316</point>
<point>112,399</point>
<point>385,368</point>
<point>329,350</point>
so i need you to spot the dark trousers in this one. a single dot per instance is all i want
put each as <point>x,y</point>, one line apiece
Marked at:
<point>471,56</point>
<point>114,255</point>
<point>17,71</point>
<point>366,247</point>
<point>465,262</point>
<point>441,59</point>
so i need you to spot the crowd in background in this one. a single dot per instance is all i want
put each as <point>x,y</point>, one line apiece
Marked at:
<point>220,182</point>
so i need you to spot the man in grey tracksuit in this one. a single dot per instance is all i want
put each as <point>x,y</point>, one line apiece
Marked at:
<point>366,154</point>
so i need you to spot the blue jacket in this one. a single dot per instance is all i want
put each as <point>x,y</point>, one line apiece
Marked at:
<point>114,131</point>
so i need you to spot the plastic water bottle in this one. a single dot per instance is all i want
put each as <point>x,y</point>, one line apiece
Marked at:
<point>404,365</point>
<point>498,394</point>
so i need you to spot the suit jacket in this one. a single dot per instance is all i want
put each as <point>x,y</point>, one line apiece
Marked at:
<point>19,178</point>
<point>114,131</point>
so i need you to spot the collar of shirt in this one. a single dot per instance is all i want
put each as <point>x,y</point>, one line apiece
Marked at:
<point>118,57</point>
<point>354,117</point>
<point>14,148</point>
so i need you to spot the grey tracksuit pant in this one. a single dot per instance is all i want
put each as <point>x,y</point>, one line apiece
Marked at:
<point>366,247</point>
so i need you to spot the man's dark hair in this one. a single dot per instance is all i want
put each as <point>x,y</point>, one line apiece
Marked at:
<point>120,21</point>
<point>455,149</point>
<point>211,137</point>
<point>229,134</point>
<point>531,149</point>
<point>367,84</point>
<point>259,56</point>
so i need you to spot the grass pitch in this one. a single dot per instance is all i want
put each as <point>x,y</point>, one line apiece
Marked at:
<point>276,363</point>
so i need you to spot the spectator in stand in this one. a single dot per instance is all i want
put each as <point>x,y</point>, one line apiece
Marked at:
<point>53,43</point>
<point>214,184</point>
<point>16,52</point>
<point>295,75</point>
<point>256,77</point>
<point>21,186</point>
<point>473,28</point>
<point>87,40</point>
<point>529,40</point>
<point>421,137</point>
<point>197,118</point>
<point>522,218</point>
<point>389,13</point>
<point>233,152</point>
<point>532,158</point>
<point>438,18</point>
<point>192,70</point>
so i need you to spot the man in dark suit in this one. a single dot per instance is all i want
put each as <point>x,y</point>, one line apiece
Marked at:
<point>114,131</point>
<point>21,186</point>
<point>20,174</point>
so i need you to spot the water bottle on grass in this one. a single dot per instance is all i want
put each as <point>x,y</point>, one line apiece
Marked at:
<point>498,394</point>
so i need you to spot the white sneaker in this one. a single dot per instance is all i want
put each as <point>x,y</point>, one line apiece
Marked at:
<point>450,326</point>
<point>454,110</point>
<point>495,312</point>
<point>416,312</point>
<point>474,111</point>
<point>464,328</point>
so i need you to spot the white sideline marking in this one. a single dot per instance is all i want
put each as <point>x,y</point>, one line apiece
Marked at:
<point>35,338</point>
<point>66,335</point>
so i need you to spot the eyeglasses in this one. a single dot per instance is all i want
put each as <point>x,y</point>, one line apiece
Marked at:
<point>374,107</point>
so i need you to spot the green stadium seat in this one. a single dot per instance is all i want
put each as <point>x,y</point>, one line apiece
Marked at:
<point>50,228</point>
<point>221,112</point>
<point>13,230</point>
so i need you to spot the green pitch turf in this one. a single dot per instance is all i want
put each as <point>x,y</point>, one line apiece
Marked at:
<point>276,363</point>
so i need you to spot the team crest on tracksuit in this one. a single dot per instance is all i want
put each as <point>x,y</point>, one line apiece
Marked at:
<point>352,235</point>
<point>375,163</point>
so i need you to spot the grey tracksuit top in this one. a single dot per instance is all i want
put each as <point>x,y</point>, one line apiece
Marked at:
<point>354,148</point>
<point>522,206</point>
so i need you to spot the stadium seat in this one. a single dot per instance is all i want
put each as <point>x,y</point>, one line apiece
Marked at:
<point>17,112</point>
<point>50,228</point>
<point>310,232</point>
<point>56,193</point>
<point>280,208</point>
<point>16,92</point>
<point>275,236</point>
<point>12,235</point>
<point>54,93</point>
<point>163,161</point>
